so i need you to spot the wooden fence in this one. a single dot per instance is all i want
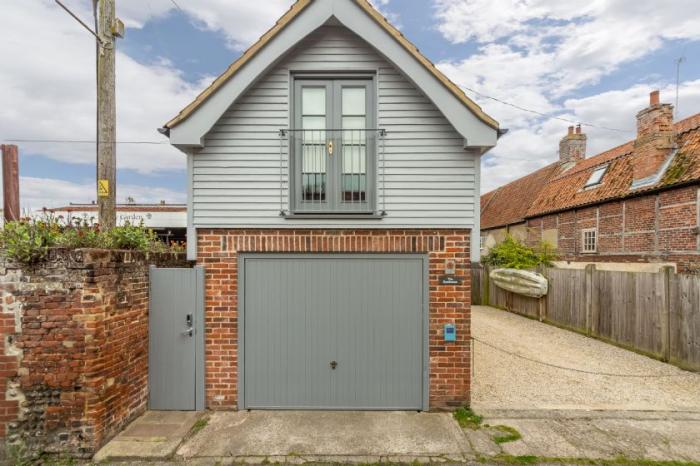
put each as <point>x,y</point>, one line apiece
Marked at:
<point>657,314</point>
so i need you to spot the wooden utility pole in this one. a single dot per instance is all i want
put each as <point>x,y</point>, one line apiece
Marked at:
<point>108,28</point>
<point>10,182</point>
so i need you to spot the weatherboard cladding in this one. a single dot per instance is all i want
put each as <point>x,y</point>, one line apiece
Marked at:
<point>430,178</point>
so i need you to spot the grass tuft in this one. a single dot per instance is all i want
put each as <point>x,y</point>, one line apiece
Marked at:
<point>506,434</point>
<point>466,418</point>
<point>199,425</point>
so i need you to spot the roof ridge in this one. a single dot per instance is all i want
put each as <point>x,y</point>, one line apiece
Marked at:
<point>295,9</point>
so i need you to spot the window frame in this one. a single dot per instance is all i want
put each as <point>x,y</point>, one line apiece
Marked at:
<point>334,204</point>
<point>603,169</point>
<point>584,249</point>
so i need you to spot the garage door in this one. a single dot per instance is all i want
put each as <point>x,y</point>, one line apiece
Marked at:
<point>333,332</point>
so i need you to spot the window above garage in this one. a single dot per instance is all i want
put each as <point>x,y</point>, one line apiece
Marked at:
<point>333,145</point>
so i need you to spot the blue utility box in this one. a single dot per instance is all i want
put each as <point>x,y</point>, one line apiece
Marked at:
<point>450,333</point>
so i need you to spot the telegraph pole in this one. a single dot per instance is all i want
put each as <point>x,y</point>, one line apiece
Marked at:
<point>108,28</point>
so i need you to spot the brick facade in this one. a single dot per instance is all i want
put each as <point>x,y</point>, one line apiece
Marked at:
<point>75,359</point>
<point>218,249</point>
<point>657,227</point>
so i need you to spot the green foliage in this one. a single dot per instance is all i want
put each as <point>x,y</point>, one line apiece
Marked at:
<point>132,237</point>
<point>29,241</point>
<point>512,254</point>
<point>506,434</point>
<point>465,417</point>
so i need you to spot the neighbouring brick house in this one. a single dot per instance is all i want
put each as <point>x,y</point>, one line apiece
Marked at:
<point>333,197</point>
<point>638,202</point>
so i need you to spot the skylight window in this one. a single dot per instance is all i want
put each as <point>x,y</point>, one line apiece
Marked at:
<point>596,176</point>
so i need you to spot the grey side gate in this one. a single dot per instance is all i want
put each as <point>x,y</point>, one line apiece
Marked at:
<point>176,339</point>
<point>333,331</point>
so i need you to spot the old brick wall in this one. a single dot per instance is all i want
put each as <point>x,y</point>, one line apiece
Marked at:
<point>218,249</point>
<point>75,361</point>
<point>659,227</point>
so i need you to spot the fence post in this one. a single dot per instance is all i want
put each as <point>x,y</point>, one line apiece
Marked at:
<point>542,310</point>
<point>486,297</point>
<point>588,296</point>
<point>666,315</point>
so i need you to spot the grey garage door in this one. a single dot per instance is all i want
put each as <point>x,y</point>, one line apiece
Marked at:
<point>333,332</point>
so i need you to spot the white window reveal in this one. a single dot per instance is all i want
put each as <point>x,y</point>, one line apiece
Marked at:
<point>596,177</point>
<point>589,239</point>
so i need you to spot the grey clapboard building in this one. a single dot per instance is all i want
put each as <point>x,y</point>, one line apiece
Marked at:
<point>333,200</point>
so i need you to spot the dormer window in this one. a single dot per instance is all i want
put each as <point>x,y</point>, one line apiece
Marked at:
<point>596,177</point>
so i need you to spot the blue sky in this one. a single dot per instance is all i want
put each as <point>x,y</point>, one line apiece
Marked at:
<point>593,62</point>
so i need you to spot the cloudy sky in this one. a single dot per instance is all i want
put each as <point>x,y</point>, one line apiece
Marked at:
<point>592,61</point>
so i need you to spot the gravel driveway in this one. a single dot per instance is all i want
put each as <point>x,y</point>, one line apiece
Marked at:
<point>503,381</point>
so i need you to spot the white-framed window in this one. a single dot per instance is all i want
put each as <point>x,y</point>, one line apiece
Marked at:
<point>589,240</point>
<point>596,177</point>
<point>482,242</point>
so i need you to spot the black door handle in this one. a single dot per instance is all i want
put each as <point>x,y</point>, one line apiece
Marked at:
<point>334,364</point>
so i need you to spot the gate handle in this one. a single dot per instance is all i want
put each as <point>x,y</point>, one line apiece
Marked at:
<point>189,332</point>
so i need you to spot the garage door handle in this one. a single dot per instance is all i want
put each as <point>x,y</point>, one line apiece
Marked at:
<point>334,364</point>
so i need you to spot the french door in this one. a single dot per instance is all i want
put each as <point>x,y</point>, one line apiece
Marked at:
<point>333,145</point>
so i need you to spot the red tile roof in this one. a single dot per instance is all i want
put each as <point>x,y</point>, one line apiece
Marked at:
<point>551,189</point>
<point>508,204</point>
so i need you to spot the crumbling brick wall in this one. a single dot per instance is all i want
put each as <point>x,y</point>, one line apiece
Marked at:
<point>75,359</point>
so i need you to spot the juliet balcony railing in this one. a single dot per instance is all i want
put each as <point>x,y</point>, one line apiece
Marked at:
<point>333,171</point>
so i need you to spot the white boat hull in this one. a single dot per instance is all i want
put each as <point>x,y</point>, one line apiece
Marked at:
<point>522,282</point>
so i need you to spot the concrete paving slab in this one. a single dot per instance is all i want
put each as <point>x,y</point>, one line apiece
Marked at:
<point>603,438</point>
<point>328,435</point>
<point>154,436</point>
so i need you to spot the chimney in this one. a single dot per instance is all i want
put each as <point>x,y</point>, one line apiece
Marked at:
<point>10,182</point>
<point>655,140</point>
<point>572,147</point>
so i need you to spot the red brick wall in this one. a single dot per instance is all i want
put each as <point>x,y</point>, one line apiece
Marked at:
<point>658,227</point>
<point>217,251</point>
<point>76,349</point>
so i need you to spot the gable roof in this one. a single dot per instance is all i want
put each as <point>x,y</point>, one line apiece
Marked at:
<point>565,191</point>
<point>508,204</point>
<point>552,189</point>
<point>286,19</point>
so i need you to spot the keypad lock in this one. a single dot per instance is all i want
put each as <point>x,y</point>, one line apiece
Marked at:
<point>189,331</point>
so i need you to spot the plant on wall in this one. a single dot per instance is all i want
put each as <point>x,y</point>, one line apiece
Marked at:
<point>512,254</point>
<point>29,240</point>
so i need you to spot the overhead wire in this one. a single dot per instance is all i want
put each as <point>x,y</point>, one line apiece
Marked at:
<point>543,114</point>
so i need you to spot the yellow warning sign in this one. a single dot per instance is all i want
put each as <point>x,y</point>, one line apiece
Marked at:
<point>102,188</point>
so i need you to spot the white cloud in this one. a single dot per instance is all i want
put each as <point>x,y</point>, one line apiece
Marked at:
<point>36,193</point>
<point>535,53</point>
<point>527,148</point>
<point>241,21</point>
<point>47,90</point>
